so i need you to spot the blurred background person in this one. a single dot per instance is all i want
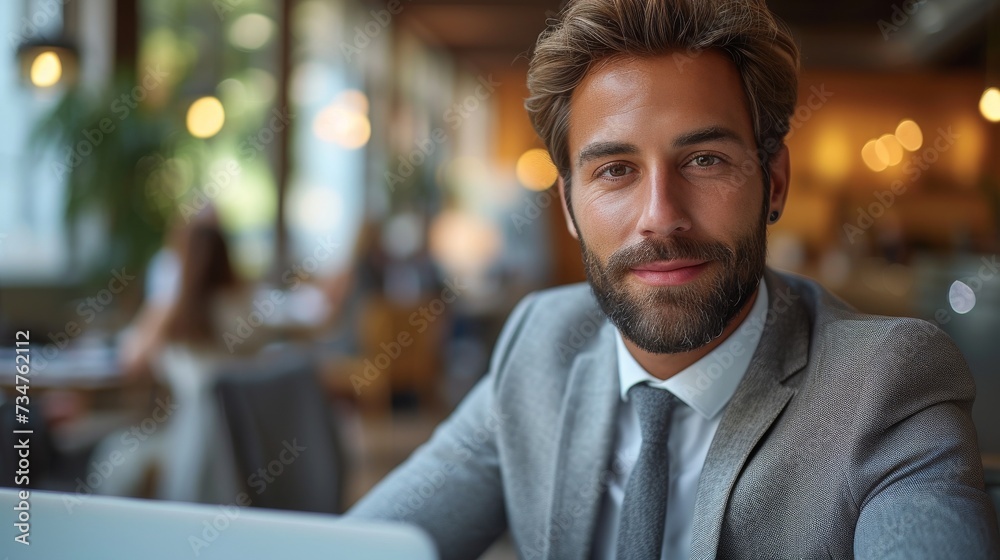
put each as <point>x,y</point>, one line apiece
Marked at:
<point>180,339</point>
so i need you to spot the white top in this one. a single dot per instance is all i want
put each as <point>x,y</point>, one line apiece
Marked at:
<point>198,465</point>
<point>163,277</point>
<point>704,388</point>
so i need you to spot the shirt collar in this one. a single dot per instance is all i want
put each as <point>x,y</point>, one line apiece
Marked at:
<point>708,384</point>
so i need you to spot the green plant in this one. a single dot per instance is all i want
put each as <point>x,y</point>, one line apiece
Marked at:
<point>108,145</point>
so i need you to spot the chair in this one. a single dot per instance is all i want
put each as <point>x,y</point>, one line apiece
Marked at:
<point>286,449</point>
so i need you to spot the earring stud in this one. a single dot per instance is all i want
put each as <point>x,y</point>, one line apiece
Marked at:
<point>774,216</point>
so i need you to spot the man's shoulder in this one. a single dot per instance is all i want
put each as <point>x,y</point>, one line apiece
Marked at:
<point>549,328</point>
<point>551,314</point>
<point>876,347</point>
<point>826,309</point>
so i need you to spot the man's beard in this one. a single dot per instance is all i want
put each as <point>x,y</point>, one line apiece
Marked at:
<point>669,320</point>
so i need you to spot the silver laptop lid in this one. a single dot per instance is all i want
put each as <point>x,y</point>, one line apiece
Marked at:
<point>68,525</point>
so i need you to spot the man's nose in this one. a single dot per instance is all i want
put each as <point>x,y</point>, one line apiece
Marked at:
<point>664,210</point>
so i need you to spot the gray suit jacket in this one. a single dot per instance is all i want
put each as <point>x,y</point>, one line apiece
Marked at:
<point>849,436</point>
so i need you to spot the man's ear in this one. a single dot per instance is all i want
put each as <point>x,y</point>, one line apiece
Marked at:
<point>779,167</point>
<point>570,225</point>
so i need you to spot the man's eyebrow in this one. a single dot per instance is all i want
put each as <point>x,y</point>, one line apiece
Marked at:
<point>598,150</point>
<point>708,134</point>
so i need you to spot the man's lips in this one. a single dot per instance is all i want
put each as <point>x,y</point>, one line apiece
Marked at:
<point>670,273</point>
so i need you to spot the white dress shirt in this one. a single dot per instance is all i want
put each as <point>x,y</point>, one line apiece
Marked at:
<point>704,388</point>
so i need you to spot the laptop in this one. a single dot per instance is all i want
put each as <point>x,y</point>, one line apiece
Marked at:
<point>70,525</point>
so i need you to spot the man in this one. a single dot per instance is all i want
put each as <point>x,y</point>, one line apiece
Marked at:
<point>692,403</point>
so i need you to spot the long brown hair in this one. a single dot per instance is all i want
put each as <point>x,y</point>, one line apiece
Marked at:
<point>205,272</point>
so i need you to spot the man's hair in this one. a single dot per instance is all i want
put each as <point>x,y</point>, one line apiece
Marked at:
<point>589,31</point>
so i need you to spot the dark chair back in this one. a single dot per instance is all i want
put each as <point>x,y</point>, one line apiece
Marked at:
<point>285,444</point>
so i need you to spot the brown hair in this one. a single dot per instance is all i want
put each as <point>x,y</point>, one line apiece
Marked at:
<point>588,31</point>
<point>205,272</point>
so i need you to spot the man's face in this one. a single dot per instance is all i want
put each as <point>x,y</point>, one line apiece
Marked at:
<point>667,196</point>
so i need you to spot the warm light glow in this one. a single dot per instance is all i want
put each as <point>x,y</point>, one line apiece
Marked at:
<point>909,135</point>
<point>888,149</point>
<point>871,157</point>
<point>989,105</point>
<point>205,117</point>
<point>251,31</point>
<point>535,170</point>
<point>970,152</point>
<point>832,155</point>
<point>354,100</point>
<point>463,242</point>
<point>342,125</point>
<point>46,69</point>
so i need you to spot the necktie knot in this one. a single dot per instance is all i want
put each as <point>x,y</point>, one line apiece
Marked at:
<point>655,408</point>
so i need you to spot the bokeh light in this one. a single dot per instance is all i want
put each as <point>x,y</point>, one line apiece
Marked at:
<point>961,297</point>
<point>889,150</point>
<point>205,117</point>
<point>354,100</point>
<point>342,125</point>
<point>535,170</point>
<point>251,31</point>
<point>46,69</point>
<point>909,135</point>
<point>989,104</point>
<point>872,158</point>
<point>464,242</point>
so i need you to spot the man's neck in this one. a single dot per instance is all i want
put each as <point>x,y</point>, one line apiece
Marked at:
<point>665,366</point>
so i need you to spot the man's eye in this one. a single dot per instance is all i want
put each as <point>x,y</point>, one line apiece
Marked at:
<point>616,170</point>
<point>706,161</point>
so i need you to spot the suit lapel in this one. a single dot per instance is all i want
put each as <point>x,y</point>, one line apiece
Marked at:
<point>757,402</point>
<point>587,436</point>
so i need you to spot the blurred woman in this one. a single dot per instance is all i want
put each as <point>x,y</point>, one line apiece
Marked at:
<point>182,342</point>
<point>196,462</point>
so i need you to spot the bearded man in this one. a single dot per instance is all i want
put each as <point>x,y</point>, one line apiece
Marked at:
<point>690,402</point>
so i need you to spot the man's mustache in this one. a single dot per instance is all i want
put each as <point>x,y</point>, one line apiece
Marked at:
<point>652,250</point>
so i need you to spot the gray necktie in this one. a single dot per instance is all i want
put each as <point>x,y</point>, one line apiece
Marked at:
<point>644,508</point>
